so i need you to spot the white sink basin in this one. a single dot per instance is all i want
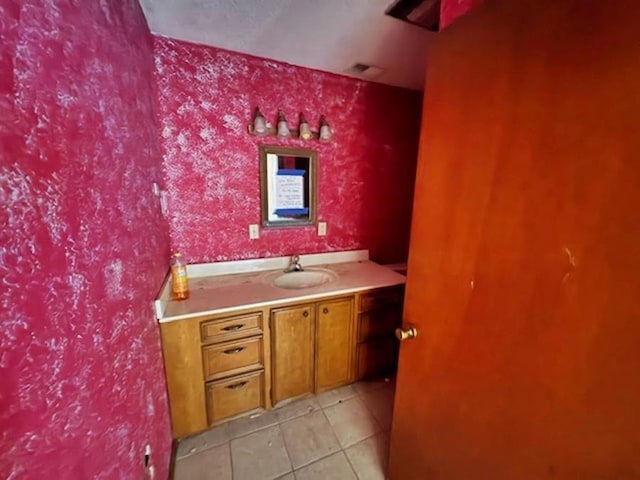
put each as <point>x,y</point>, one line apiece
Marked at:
<point>311,277</point>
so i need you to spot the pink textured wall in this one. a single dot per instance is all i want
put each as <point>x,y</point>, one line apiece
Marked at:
<point>450,10</point>
<point>83,246</point>
<point>206,97</point>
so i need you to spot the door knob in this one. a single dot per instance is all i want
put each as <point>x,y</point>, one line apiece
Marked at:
<point>406,333</point>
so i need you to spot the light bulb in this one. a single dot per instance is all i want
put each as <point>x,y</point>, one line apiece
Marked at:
<point>259,123</point>
<point>305,129</point>
<point>283,127</point>
<point>325,131</point>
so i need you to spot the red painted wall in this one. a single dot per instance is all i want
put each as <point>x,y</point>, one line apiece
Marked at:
<point>206,98</point>
<point>83,246</point>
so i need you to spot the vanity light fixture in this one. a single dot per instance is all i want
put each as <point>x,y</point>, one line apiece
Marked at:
<point>259,123</point>
<point>259,126</point>
<point>325,131</point>
<point>305,129</point>
<point>283,126</point>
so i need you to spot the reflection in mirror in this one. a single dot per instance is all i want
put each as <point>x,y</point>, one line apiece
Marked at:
<point>288,186</point>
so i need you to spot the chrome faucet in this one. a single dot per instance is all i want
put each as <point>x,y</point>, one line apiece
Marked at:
<point>294,265</point>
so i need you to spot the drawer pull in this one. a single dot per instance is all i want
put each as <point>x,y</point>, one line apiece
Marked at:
<point>325,310</point>
<point>231,328</point>
<point>305,313</point>
<point>236,386</point>
<point>231,351</point>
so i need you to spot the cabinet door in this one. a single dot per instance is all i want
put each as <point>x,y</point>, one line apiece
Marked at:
<point>292,341</point>
<point>379,324</point>
<point>334,343</point>
<point>377,357</point>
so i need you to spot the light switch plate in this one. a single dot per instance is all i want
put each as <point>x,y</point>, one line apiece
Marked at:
<point>322,229</point>
<point>254,232</point>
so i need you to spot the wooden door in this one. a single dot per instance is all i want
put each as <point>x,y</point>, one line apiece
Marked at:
<point>524,264</point>
<point>334,343</point>
<point>292,352</point>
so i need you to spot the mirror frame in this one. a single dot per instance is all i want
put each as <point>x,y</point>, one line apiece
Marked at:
<point>266,186</point>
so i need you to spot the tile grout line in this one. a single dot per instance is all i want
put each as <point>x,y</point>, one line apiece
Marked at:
<point>205,449</point>
<point>263,427</point>
<point>372,415</point>
<point>350,464</point>
<point>286,450</point>
<point>233,474</point>
<point>294,469</point>
<point>362,439</point>
<point>382,427</point>
<point>357,394</point>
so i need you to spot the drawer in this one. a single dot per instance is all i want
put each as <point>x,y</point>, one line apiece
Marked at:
<point>223,329</point>
<point>378,324</point>
<point>376,358</point>
<point>226,359</point>
<point>390,298</point>
<point>226,398</point>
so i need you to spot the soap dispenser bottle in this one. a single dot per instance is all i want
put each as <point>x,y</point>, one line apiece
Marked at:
<point>179,279</point>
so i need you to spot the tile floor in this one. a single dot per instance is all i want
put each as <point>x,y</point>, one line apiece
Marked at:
<point>342,434</point>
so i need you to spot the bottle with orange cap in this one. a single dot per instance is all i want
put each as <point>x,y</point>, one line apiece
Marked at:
<point>179,278</point>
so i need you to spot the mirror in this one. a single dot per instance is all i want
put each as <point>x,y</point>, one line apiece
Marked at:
<point>288,186</point>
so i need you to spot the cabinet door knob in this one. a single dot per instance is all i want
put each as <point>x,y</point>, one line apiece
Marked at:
<point>305,313</point>
<point>325,310</point>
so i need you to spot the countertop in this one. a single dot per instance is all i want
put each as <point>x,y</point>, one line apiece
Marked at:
<point>228,293</point>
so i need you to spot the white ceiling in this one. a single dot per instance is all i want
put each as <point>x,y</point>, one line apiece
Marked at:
<point>329,35</point>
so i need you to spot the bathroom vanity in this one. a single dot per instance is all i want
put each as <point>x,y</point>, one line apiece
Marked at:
<point>241,343</point>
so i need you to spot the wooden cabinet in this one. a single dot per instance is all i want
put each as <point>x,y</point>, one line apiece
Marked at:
<point>312,348</point>
<point>334,343</point>
<point>292,355</point>
<point>233,347</point>
<point>216,368</point>
<point>376,357</point>
<point>181,349</point>
<point>222,366</point>
<point>379,314</point>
